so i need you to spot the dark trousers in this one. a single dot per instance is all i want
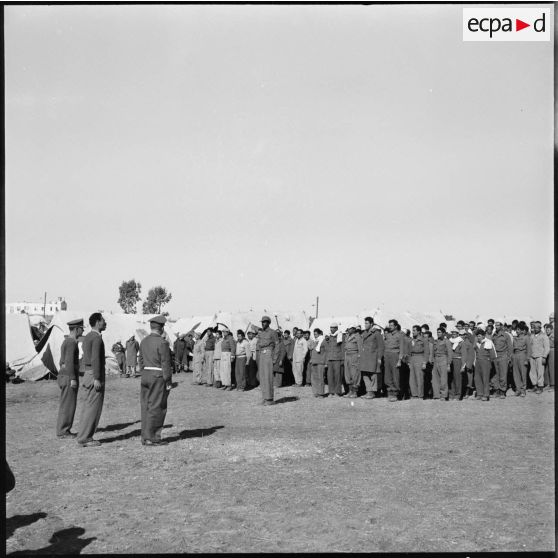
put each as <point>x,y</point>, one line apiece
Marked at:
<point>67,408</point>
<point>549,369</point>
<point>307,371</point>
<point>252,373</point>
<point>317,378</point>
<point>265,371</point>
<point>520,370</point>
<point>456,386</point>
<point>92,408</point>
<point>482,377</point>
<point>240,372</point>
<point>470,378</point>
<point>501,366</point>
<point>153,401</point>
<point>391,373</point>
<point>334,378</point>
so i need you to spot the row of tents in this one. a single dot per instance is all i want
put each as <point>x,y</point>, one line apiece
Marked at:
<point>36,361</point>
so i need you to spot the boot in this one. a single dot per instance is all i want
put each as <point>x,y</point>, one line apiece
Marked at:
<point>353,393</point>
<point>369,395</point>
<point>217,384</point>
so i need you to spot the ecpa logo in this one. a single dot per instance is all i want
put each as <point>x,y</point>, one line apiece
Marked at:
<point>506,24</point>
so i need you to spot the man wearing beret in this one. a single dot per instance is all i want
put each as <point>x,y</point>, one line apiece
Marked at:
<point>68,380</point>
<point>156,376</point>
<point>93,381</point>
<point>267,350</point>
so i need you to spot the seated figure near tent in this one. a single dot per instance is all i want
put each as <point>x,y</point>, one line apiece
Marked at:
<point>68,380</point>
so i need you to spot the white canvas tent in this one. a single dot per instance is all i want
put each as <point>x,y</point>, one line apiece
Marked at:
<point>19,341</point>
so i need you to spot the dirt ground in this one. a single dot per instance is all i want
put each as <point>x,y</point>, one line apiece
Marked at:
<point>305,475</point>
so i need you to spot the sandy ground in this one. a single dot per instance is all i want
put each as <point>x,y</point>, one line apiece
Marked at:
<point>304,475</point>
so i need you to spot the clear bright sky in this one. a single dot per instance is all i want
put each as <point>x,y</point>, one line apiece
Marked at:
<point>258,156</point>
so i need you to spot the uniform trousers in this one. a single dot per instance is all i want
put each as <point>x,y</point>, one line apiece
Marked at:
<point>482,377</point>
<point>67,408</point>
<point>240,372</point>
<point>416,377</point>
<point>371,380</point>
<point>225,369</point>
<point>549,369</point>
<point>252,373</point>
<point>391,372</point>
<point>501,378</point>
<point>298,368</point>
<point>537,372</point>
<point>352,370</point>
<point>520,370</point>
<point>153,400</point>
<point>92,408</point>
<point>317,371</point>
<point>265,372</point>
<point>334,377</point>
<point>440,377</point>
<point>307,369</point>
<point>216,375</point>
<point>208,367</point>
<point>470,378</point>
<point>456,378</point>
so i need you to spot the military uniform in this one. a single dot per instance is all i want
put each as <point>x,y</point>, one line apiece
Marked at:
<point>156,375</point>
<point>208,360</point>
<point>462,360</point>
<point>252,370</point>
<point>353,348</point>
<point>316,366</point>
<point>443,354</point>
<point>179,349</point>
<point>504,351</point>
<point>94,366</point>
<point>267,351</point>
<point>521,353</point>
<point>485,354</point>
<point>132,348</point>
<point>419,354</point>
<point>228,347</point>
<point>394,351</point>
<point>69,371</point>
<point>279,364</point>
<point>197,363</point>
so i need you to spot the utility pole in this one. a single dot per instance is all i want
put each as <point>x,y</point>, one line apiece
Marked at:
<point>44,307</point>
<point>317,305</point>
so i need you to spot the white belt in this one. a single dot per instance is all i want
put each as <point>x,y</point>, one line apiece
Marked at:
<point>151,368</point>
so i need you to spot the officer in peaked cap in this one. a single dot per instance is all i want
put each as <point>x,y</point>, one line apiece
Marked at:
<point>68,380</point>
<point>156,374</point>
<point>267,354</point>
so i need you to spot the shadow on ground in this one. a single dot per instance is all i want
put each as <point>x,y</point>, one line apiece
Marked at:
<point>196,433</point>
<point>133,434</point>
<point>120,426</point>
<point>65,541</point>
<point>17,521</point>
<point>287,399</point>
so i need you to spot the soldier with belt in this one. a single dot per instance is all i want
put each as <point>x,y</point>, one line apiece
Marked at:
<point>443,355</point>
<point>353,348</point>
<point>521,354</point>
<point>333,344</point>
<point>156,376</point>
<point>418,359</point>
<point>267,350</point>
<point>93,381</point>
<point>371,357</point>
<point>68,380</point>
<point>393,357</point>
<point>503,346</point>
<point>485,354</point>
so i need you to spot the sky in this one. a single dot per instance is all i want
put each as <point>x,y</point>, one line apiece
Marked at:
<point>260,156</point>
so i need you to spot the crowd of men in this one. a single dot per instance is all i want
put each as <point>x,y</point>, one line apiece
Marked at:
<point>472,361</point>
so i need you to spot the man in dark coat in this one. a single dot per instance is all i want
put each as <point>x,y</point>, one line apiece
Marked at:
<point>371,357</point>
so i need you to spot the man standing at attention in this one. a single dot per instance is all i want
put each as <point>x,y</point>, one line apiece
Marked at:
<point>132,348</point>
<point>267,355</point>
<point>504,349</point>
<point>540,348</point>
<point>549,370</point>
<point>521,353</point>
<point>93,381</point>
<point>252,370</point>
<point>228,347</point>
<point>418,359</point>
<point>333,345</point>
<point>393,357</point>
<point>209,341</point>
<point>443,355</point>
<point>156,377</point>
<point>353,348</point>
<point>300,349</point>
<point>68,380</point>
<point>371,357</point>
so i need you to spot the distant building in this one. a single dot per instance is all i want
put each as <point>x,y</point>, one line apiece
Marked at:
<point>37,307</point>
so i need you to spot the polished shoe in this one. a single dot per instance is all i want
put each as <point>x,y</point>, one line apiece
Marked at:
<point>155,443</point>
<point>90,444</point>
<point>67,435</point>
